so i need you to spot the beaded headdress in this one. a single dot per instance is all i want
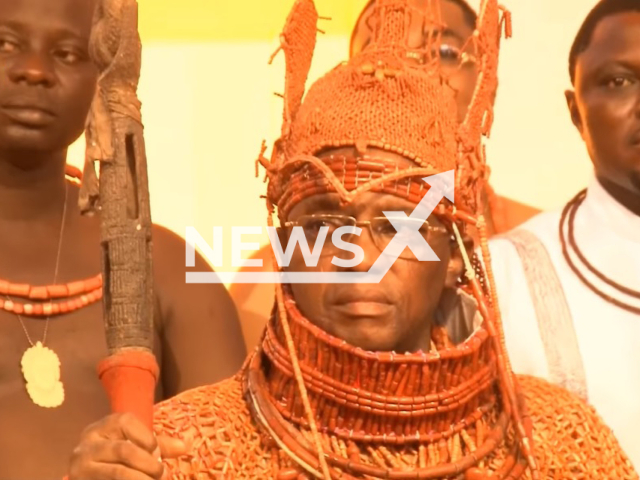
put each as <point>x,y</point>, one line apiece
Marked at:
<point>380,99</point>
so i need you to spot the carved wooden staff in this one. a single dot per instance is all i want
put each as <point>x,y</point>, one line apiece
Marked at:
<point>115,139</point>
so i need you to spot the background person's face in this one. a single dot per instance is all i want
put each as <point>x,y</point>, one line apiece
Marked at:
<point>47,80</point>
<point>605,106</point>
<point>455,33</point>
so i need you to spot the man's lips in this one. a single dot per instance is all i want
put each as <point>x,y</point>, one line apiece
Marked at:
<point>28,114</point>
<point>363,303</point>
<point>353,295</point>
<point>364,309</point>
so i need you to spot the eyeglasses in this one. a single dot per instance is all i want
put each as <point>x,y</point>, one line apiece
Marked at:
<point>450,57</point>
<point>380,229</point>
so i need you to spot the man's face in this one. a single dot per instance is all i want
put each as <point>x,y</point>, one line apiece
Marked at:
<point>47,80</point>
<point>455,33</point>
<point>397,313</point>
<point>605,106</point>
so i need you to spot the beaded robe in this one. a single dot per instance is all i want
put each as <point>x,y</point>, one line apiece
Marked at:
<point>425,415</point>
<point>309,405</point>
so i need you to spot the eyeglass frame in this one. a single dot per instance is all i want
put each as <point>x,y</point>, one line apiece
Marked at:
<point>361,224</point>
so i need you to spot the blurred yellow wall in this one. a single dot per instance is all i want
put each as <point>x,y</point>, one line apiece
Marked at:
<point>208,102</point>
<point>233,20</point>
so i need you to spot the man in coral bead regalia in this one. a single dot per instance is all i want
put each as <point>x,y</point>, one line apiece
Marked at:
<point>370,380</point>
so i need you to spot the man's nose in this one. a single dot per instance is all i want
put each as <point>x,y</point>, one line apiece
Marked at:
<point>32,68</point>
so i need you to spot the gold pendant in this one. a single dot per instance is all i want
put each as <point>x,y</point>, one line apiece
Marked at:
<point>41,371</point>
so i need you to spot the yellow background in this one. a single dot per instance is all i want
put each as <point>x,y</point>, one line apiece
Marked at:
<point>208,102</point>
<point>233,20</point>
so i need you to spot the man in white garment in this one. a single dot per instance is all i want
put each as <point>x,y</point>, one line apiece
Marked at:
<point>569,281</point>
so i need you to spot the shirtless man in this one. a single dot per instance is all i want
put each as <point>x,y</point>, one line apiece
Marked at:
<point>47,83</point>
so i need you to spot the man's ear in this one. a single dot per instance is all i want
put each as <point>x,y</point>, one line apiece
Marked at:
<point>455,269</point>
<point>574,111</point>
<point>283,238</point>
